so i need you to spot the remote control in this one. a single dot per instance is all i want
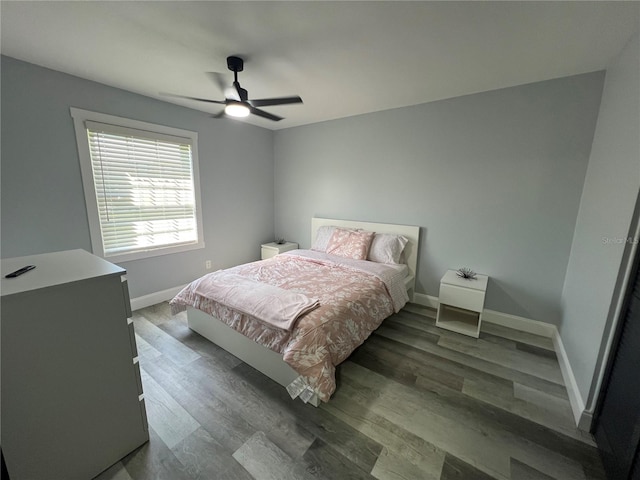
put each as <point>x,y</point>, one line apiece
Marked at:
<point>17,273</point>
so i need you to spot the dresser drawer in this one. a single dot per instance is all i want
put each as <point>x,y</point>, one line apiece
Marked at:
<point>461,297</point>
<point>143,412</point>
<point>136,371</point>
<point>132,338</point>
<point>125,291</point>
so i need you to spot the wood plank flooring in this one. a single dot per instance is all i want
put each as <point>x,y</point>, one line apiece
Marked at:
<point>413,402</point>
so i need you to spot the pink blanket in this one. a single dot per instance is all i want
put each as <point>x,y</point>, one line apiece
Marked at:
<point>273,305</point>
<point>353,303</point>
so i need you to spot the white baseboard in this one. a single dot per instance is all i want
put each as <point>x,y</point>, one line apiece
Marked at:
<point>505,319</point>
<point>155,298</point>
<point>585,422</point>
<point>577,403</point>
<point>581,417</point>
<point>519,323</point>
<point>426,300</point>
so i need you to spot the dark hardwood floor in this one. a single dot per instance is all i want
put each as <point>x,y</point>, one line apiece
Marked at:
<point>414,402</point>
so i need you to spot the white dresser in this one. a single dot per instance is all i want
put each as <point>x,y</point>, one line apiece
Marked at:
<point>72,401</point>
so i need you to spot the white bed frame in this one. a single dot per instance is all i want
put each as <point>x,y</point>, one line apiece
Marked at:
<point>268,362</point>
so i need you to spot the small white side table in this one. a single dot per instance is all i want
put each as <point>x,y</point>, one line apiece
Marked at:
<point>272,249</point>
<point>461,303</point>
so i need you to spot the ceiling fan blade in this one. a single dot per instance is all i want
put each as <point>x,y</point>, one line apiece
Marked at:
<point>262,113</point>
<point>227,90</point>
<point>193,98</point>
<point>265,102</point>
<point>218,79</point>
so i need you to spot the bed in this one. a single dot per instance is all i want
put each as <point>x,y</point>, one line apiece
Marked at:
<point>302,355</point>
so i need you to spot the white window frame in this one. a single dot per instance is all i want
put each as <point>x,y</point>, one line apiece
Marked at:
<point>79,118</point>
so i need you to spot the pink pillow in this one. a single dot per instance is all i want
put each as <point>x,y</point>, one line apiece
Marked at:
<point>350,244</point>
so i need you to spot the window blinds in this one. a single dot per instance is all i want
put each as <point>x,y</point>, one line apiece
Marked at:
<point>144,187</point>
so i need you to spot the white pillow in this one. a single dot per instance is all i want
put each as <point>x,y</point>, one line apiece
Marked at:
<point>323,235</point>
<point>387,248</point>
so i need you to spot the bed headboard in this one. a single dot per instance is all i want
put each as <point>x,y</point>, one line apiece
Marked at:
<point>411,232</point>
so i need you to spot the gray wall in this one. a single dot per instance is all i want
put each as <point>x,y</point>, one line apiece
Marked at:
<point>43,206</point>
<point>603,223</point>
<point>493,178</point>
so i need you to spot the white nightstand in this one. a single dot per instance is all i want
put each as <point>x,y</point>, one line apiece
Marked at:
<point>461,303</point>
<point>272,249</point>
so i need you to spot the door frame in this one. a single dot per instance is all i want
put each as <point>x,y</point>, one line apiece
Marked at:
<point>612,326</point>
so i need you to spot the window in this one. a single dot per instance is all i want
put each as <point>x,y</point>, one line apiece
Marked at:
<point>141,186</point>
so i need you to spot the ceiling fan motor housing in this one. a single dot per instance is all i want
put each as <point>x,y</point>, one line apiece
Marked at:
<point>235,64</point>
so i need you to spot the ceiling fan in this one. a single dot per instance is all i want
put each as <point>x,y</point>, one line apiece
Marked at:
<point>237,102</point>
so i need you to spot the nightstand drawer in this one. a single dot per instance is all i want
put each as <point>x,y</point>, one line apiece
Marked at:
<point>272,249</point>
<point>267,252</point>
<point>462,297</point>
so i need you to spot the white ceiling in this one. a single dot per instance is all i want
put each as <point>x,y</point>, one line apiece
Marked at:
<point>343,58</point>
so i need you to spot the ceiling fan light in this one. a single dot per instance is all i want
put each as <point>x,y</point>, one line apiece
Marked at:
<point>236,109</point>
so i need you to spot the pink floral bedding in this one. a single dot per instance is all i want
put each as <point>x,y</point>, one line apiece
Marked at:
<point>354,299</point>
